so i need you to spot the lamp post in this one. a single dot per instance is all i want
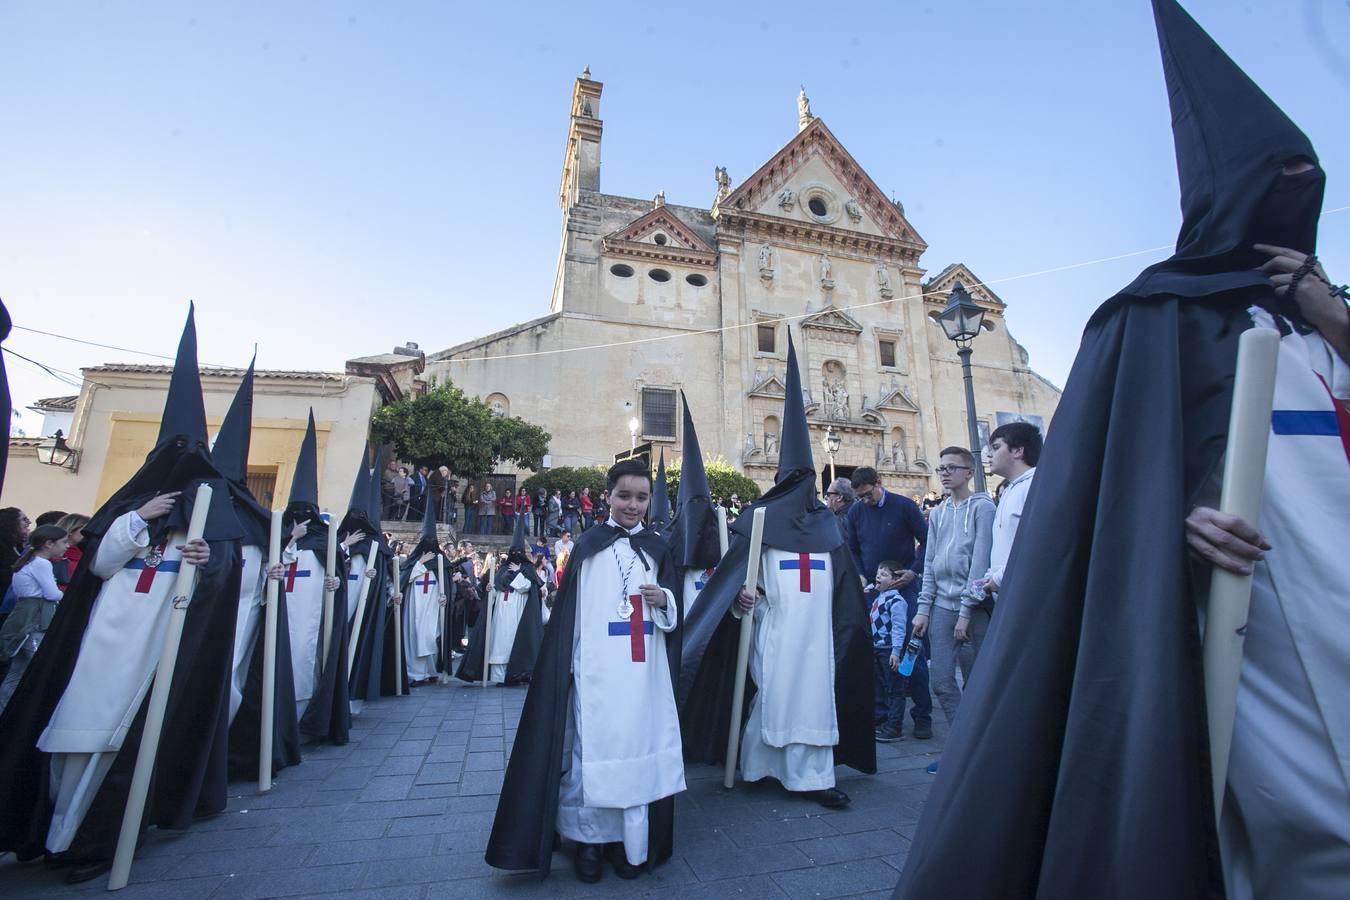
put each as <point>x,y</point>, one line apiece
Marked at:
<point>633,424</point>
<point>832,443</point>
<point>961,321</point>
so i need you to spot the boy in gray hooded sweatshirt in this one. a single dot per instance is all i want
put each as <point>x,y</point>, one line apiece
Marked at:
<point>950,610</point>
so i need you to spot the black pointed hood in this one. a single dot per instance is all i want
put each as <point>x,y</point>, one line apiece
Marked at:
<point>184,411</point>
<point>659,514</point>
<point>358,508</point>
<point>694,539</point>
<point>179,461</point>
<point>230,452</point>
<point>519,543</point>
<point>361,486</point>
<point>795,519</point>
<point>428,539</point>
<point>305,482</point>
<point>1232,142</point>
<point>374,498</point>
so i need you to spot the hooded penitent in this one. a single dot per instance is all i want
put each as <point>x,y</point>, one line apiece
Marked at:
<point>529,626</point>
<point>230,454</point>
<point>328,714</point>
<point>797,522</point>
<point>659,515</point>
<point>693,533</point>
<point>370,553</point>
<point>1079,765</point>
<point>194,737</point>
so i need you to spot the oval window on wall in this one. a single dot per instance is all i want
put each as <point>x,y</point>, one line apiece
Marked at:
<point>697,280</point>
<point>660,275</point>
<point>621,271</point>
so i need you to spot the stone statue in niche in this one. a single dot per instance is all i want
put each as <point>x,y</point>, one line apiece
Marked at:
<point>898,461</point>
<point>853,209</point>
<point>884,282</point>
<point>836,399</point>
<point>877,453</point>
<point>766,262</point>
<point>786,198</point>
<point>750,448</point>
<point>826,272</point>
<point>498,408</point>
<point>770,444</point>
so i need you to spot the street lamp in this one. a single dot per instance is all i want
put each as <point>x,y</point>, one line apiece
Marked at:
<point>832,443</point>
<point>54,451</point>
<point>961,320</point>
<point>633,424</point>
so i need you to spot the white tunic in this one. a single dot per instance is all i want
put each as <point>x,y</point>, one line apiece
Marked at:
<point>303,579</point>
<point>1286,821</point>
<point>792,728</point>
<point>694,582</point>
<point>507,609</point>
<point>116,664</point>
<point>622,747</point>
<point>252,596</point>
<point>422,621</point>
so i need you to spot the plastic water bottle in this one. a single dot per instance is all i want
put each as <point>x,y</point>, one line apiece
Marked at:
<point>912,651</point>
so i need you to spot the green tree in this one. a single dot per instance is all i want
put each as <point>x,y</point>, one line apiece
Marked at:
<point>723,480</point>
<point>567,478</point>
<point>446,427</point>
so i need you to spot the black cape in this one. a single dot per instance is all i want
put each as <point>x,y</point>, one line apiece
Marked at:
<point>328,715</point>
<point>246,731</point>
<point>1079,765</point>
<point>525,826</point>
<point>707,677</point>
<point>196,718</point>
<point>371,661</point>
<point>529,634</point>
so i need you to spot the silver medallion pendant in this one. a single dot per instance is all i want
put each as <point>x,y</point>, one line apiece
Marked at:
<point>625,609</point>
<point>154,558</point>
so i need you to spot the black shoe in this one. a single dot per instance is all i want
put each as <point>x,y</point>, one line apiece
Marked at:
<point>617,858</point>
<point>87,871</point>
<point>589,863</point>
<point>887,736</point>
<point>923,730</point>
<point>830,798</point>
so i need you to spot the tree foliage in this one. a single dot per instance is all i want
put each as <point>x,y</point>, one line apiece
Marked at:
<point>723,480</point>
<point>446,427</point>
<point>567,478</point>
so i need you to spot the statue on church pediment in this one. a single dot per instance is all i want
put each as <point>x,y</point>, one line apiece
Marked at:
<point>785,199</point>
<point>804,116</point>
<point>854,210</point>
<point>723,185</point>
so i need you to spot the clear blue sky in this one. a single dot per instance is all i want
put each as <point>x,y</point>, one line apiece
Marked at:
<point>329,180</point>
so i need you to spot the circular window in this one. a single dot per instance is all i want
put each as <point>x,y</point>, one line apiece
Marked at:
<point>660,275</point>
<point>817,207</point>
<point>660,239</point>
<point>696,279</point>
<point>621,270</point>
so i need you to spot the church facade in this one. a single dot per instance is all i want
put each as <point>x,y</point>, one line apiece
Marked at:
<point>655,304</point>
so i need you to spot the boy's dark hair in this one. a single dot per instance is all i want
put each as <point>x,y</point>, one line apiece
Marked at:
<point>890,565</point>
<point>1023,436</point>
<point>627,467</point>
<point>863,476</point>
<point>966,456</point>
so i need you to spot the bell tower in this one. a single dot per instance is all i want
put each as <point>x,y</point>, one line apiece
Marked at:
<point>581,162</point>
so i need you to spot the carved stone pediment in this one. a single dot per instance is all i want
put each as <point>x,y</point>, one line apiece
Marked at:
<point>660,235</point>
<point>896,399</point>
<point>771,387</point>
<point>832,319</point>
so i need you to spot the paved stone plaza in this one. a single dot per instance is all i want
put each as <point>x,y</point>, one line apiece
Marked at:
<point>403,811</point>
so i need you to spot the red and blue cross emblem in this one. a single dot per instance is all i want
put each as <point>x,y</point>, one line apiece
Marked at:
<point>293,572</point>
<point>804,564</point>
<point>635,628</point>
<point>148,572</point>
<point>1334,422</point>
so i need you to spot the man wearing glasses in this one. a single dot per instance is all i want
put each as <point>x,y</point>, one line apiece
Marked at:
<point>887,526</point>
